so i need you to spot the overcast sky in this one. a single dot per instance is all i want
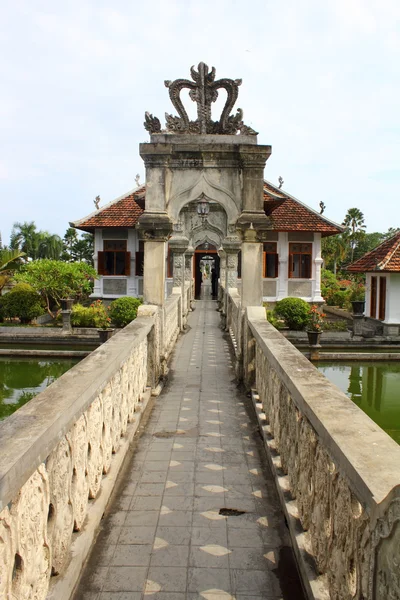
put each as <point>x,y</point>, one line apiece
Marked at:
<point>321,84</point>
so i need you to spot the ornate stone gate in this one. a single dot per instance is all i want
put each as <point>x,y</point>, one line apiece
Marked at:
<point>216,163</point>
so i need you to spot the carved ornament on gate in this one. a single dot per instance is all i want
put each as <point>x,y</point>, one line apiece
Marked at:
<point>204,91</point>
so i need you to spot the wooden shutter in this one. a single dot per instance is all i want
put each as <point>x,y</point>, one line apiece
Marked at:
<point>100,263</point>
<point>127,263</point>
<point>372,312</point>
<point>139,263</point>
<point>382,298</point>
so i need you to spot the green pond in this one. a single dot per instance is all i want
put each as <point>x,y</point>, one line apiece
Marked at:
<point>23,378</point>
<point>373,386</point>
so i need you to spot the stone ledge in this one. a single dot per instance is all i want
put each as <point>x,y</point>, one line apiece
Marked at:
<point>371,459</point>
<point>63,585</point>
<point>31,433</point>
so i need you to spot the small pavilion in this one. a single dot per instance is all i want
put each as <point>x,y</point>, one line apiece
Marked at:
<point>382,294</point>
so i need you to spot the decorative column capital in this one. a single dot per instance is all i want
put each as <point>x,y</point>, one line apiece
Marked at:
<point>178,244</point>
<point>253,226</point>
<point>154,226</point>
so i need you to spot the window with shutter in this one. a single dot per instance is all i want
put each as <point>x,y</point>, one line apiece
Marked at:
<point>270,260</point>
<point>300,261</point>
<point>115,260</point>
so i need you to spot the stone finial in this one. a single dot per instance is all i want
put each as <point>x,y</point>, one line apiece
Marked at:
<point>204,91</point>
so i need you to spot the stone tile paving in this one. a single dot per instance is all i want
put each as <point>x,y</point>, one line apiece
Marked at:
<point>163,535</point>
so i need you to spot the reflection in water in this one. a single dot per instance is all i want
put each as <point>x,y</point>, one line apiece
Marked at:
<point>374,387</point>
<point>22,379</point>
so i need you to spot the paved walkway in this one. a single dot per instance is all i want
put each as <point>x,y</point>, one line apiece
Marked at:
<point>168,534</point>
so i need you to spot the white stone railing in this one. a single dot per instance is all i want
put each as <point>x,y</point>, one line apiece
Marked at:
<point>171,322</point>
<point>234,321</point>
<point>61,453</point>
<point>338,473</point>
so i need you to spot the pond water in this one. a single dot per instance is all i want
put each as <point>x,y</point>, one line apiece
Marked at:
<point>373,386</point>
<point>21,379</point>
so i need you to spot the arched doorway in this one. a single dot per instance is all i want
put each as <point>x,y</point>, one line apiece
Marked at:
<point>206,270</point>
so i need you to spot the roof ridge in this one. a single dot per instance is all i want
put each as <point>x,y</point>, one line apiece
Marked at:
<point>329,221</point>
<point>111,203</point>
<point>390,253</point>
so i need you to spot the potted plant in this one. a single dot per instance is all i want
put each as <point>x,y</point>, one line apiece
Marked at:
<point>357,299</point>
<point>102,321</point>
<point>314,325</point>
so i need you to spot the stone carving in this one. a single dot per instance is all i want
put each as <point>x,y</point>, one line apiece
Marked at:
<point>384,580</point>
<point>94,422</point>
<point>204,91</point>
<point>334,521</point>
<point>77,439</point>
<point>37,527</point>
<point>151,124</point>
<point>7,553</point>
<point>32,564</point>
<point>60,525</point>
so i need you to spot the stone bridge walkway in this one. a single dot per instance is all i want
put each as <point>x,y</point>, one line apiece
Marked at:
<point>169,532</point>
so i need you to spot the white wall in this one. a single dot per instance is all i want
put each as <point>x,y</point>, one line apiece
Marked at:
<point>313,285</point>
<point>393,298</point>
<point>133,283</point>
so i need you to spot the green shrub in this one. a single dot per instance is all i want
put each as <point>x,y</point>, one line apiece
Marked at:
<point>339,325</point>
<point>22,302</point>
<point>273,319</point>
<point>338,298</point>
<point>124,310</point>
<point>95,315</point>
<point>294,311</point>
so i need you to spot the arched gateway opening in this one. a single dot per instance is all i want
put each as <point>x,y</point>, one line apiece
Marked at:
<point>206,271</point>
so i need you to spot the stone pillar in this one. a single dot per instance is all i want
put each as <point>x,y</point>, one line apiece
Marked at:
<point>232,248</point>
<point>283,251</point>
<point>178,245</point>
<point>253,222</point>
<point>155,225</point>
<point>66,322</point>
<point>189,273</point>
<point>318,261</point>
<point>222,278</point>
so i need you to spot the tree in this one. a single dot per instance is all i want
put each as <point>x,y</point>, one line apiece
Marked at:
<point>334,251</point>
<point>24,236</point>
<point>49,245</point>
<point>10,261</point>
<point>78,248</point>
<point>355,228</point>
<point>55,279</point>
<point>36,244</point>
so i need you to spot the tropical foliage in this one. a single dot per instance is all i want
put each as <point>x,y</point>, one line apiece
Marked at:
<point>21,302</point>
<point>54,280</point>
<point>95,315</point>
<point>10,261</point>
<point>294,312</point>
<point>38,244</point>
<point>124,310</point>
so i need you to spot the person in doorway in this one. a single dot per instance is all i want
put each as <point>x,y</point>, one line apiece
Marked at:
<point>214,282</point>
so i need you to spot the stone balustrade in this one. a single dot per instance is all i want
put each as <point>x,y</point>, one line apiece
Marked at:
<point>61,453</point>
<point>338,473</point>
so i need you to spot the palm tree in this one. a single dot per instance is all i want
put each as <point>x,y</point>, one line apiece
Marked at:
<point>10,261</point>
<point>49,245</point>
<point>334,250</point>
<point>24,237</point>
<point>355,228</point>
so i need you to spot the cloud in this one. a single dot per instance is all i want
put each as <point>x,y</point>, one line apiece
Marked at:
<point>320,83</point>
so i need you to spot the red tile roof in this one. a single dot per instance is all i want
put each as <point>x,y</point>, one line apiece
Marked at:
<point>289,214</point>
<point>286,213</point>
<point>385,257</point>
<point>122,212</point>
